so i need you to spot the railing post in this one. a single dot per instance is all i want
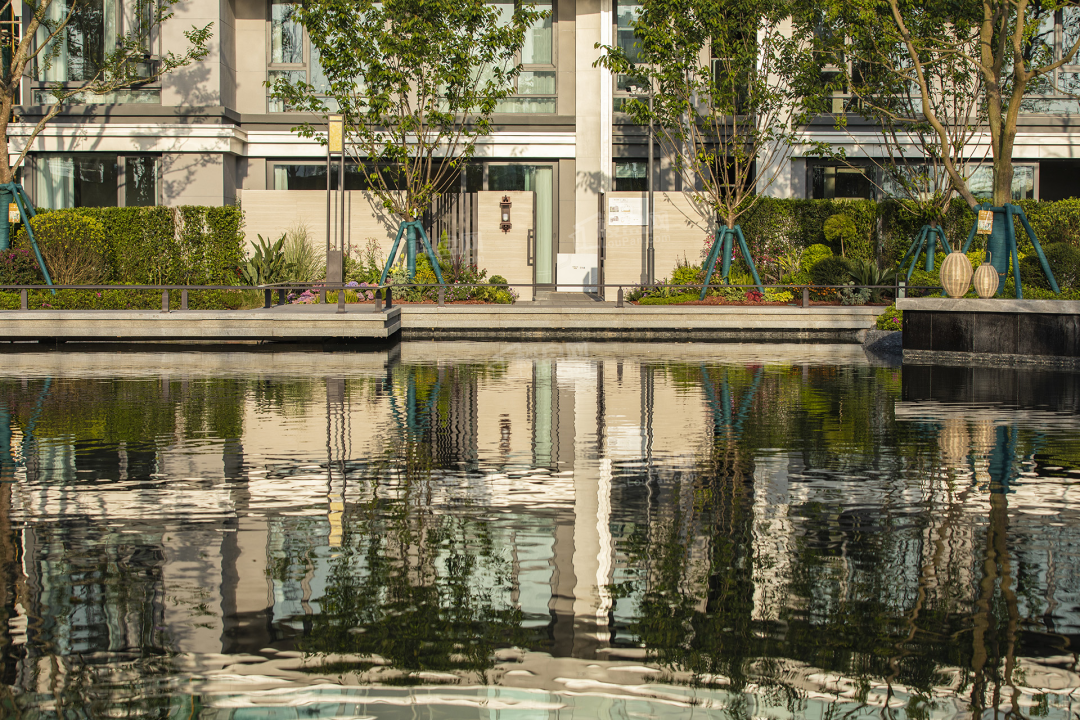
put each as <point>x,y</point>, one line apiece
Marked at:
<point>389,297</point>
<point>341,300</point>
<point>806,297</point>
<point>378,301</point>
<point>281,296</point>
<point>164,301</point>
<point>183,299</point>
<point>619,298</point>
<point>268,300</point>
<point>23,303</point>
<point>442,296</point>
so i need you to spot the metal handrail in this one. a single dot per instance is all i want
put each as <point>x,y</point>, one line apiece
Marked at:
<point>387,289</point>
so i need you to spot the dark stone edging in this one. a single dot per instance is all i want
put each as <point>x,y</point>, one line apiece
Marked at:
<point>944,357</point>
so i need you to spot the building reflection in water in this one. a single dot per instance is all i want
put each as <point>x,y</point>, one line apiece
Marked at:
<point>548,530</point>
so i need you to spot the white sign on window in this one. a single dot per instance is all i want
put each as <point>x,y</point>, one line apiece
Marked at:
<point>626,211</point>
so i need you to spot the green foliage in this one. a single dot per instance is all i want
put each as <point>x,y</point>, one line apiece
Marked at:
<point>753,61</point>
<point>840,229</point>
<point>498,280</point>
<point>854,296</point>
<point>833,270</point>
<point>304,261</point>
<point>267,264</point>
<point>189,245</point>
<point>1064,262</point>
<point>417,83</point>
<point>73,246</point>
<point>891,319</point>
<point>813,255</point>
<point>18,266</point>
<point>683,297</point>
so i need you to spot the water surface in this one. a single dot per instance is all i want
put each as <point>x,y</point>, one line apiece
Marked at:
<point>460,530</point>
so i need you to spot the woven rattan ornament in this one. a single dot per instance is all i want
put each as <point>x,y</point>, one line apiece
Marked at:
<point>986,279</point>
<point>956,274</point>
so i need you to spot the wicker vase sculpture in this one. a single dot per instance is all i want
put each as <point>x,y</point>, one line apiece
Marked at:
<point>986,279</point>
<point>956,274</point>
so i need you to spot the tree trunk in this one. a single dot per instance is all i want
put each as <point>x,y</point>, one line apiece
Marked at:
<point>1003,176</point>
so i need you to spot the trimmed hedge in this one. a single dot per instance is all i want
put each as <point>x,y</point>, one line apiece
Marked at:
<point>885,230</point>
<point>190,245</point>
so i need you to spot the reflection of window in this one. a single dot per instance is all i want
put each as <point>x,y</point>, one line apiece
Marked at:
<point>981,182</point>
<point>96,180</point>
<point>631,175</point>
<point>830,181</point>
<point>534,91</point>
<point>80,52</point>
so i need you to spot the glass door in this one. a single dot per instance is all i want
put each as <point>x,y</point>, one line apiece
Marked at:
<point>539,179</point>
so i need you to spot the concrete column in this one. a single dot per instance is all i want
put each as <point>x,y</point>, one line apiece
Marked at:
<point>593,118</point>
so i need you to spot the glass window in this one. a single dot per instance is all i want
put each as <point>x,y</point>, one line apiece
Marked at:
<point>626,13</point>
<point>537,47</point>
<point>95,180</point>
<point>286,34</point>
<point>310,176</point>
<point>140,181</point>
<point>79,53</point>
<point>981,182</point>
<point>76,181</point>
<point>829,181</point>
<point>632,175</point>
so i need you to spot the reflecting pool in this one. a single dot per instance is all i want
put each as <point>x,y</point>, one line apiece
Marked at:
<point>536,531</point>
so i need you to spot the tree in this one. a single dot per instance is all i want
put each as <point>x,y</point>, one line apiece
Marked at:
<point>872,69</point>
<point>1007,44</point>
<point>416,82</point>
<point>728,81</point>
<point>106,64</point>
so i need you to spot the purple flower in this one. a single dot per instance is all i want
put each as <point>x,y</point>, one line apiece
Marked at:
<point>352,283</point>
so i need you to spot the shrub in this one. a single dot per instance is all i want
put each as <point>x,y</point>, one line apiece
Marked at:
<point>18,266</point>
<point>840,229</point>
<point>304,261</point>
<point>498,280</point>
<point>833,270</point>
<point>891,319</point>
<point>72,245</point>
<point>1064,263</point>
<point>813,255</point>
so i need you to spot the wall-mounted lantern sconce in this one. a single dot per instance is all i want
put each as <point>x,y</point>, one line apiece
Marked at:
<point>504,214</point>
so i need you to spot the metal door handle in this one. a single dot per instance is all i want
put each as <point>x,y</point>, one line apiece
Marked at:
<point>529,247</point>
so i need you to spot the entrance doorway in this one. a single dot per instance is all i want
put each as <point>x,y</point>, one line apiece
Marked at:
<point>539,179</point>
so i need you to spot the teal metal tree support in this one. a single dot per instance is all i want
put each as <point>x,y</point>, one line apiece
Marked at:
<point>927,241</point>
<point>723,243</point>
<point>410,230</point>
<point>1001,244</point>
<point>14,190</point>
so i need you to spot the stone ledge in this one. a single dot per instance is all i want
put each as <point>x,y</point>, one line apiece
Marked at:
<point>990,305</point>
<point>944,357</point>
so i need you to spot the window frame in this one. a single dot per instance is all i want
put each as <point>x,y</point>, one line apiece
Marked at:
<point>120,160</point>
<point>153,56</point>
<point>552,67</point>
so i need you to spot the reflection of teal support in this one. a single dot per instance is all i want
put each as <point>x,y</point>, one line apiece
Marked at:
<point>722,408</point>
<point>26,211</point>
<point>31,424</point>
<point>410,230</point>
<point>1001,244</point>
<point>927,241</point>
<point>416,419</point>
<point>724,243</point>
<point>7,459</point>
<point>1002,465</point>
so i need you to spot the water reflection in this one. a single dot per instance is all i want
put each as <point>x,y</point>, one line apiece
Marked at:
<point>460,530</point>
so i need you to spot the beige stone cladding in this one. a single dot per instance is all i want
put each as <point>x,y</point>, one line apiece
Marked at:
<point>681,228</point>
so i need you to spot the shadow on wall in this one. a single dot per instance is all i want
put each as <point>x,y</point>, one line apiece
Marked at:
<point>271,213</point>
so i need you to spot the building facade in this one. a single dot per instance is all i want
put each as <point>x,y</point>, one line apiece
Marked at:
<point>210,134</point>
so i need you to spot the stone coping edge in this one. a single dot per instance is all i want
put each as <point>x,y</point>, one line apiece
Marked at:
<point>990,305</point>
<point>949,358</point>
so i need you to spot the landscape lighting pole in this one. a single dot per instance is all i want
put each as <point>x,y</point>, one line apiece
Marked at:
<point>335,143</point>
<point>650,256</point>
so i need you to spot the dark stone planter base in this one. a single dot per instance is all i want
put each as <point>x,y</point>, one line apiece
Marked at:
<point>1002,332</point>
